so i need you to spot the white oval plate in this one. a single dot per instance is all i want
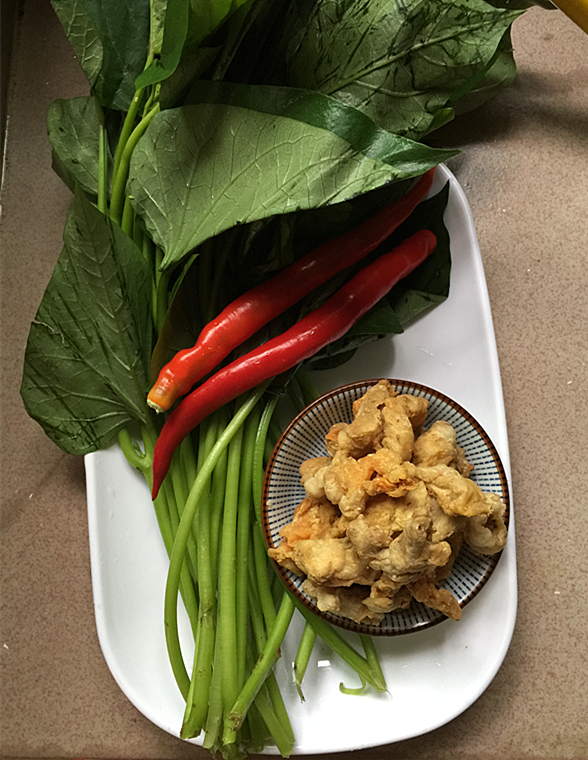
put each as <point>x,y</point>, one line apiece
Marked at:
<point>433,675</point>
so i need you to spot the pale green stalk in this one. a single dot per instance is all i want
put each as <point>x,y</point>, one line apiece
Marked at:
<point>243,536</point>
<point>263,667</point>
<point>184,530</point>
<point>119,181</point>
<point>303,656</point>
<point>227,584</point>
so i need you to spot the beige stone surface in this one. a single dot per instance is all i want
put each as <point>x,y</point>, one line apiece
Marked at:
<point>523,168</point>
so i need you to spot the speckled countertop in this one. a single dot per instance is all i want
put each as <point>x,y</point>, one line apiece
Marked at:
<point>523,168</point>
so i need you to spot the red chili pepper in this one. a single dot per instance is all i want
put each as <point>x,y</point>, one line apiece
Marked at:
<point>250,312</point>
<point>304,339</point>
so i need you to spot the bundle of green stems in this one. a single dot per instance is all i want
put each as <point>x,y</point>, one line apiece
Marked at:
<point>209,514</point>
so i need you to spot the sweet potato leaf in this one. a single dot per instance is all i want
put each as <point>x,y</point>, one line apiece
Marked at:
<point>186,26</point>
<point>173,37</point>
<point>86,369</point>
<point>111,39</point>
<point>397,62</point>
<point>521,4</point>
<point>201,169</point>
<point>324,112</point>
<point>82,33</point>
<point>498,74</point>
<point>158,10</point>
<point>429,284</point>
<point>206,16</point>
<point>379,321</point>
<point>73,127</point>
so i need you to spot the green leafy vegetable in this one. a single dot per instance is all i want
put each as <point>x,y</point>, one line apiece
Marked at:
<point>87,360</point>
<point>206,16</point>
<point>111,38</point>
<point>397,62</point>
<point>187,24</point>
<point>498,73</point>
<point>202,169</point>
<point>82,33</point>
<point>170,41</point>
<point>407,157</point>
<point>429,285</point>
<point>157,24</point>
<point>73,127</point>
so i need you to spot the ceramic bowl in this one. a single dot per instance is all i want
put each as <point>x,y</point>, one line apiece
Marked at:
<point>304,439</point>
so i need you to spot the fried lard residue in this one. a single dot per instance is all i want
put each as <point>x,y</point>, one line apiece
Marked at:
<point>386,513</point>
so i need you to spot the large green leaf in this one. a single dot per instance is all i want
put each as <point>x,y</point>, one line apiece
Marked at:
<point>521,4</point>
<point>188,23</point>
<point>500,74</point>
<point>190,68</point>
<point>429,284</point>
<point>324,112</point>
<point>111,39</point>
<point>82,34</point>
<point>73,127</point>
<point>398,62</point>
<point>202,169</point>
<point>86,370</point>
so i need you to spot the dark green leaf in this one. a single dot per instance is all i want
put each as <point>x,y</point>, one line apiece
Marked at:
<point>253,60</point>
<point>73,127</point>
<point>500,74</point>
<point>324,112</point>
<point>183,320</point>
<point>192,66</point>
<point>202,169</point>
<point>82,34</point>
<point>86,371</point>
<point>379,321</point>
<point>397,62</point>
<point>158,9</point>
<point>111,39</point>
<point>236,29</point>
<point>519,5</point>
<point>410,303</point>
<point>429,283</point>
<point>206,16</point>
